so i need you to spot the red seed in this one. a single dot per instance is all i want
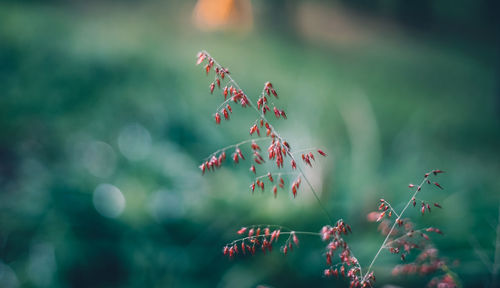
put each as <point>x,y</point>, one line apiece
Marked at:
<point>437,205</point>
<point>238,150</point>
<point>295,239</point>
<point>327,272</point>
<point>255,147</point>
<point>283,114</point>
<point>276,112</point>
<point>270,176</point>
<point>437,184</point>
<point>242,230</point>
<point>253,169</point>
<point>226,115</point>
<point>273,235</point>
<point>311,155</point>
<point>275,191</point>
<point>201,56</point>
<point>381,216</point>
<point>253,129</point>
<point>212,86</point>
<point>217,118</point>
<point>259,103</point>
<point>411,185</point>
<point>328,259</point>
<point>321,152</point>
<point>266,231</point>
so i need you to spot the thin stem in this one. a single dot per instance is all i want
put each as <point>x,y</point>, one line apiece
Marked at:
<point>277,174</point>
<point>281,233</point>
<point>305,150</point>
<point>235,145</point>
<point>263,117</point>
<point>396,222</point>
<point>280,227</point>
<point>408,234</point>
<point>224,103</point>
<point>392,209</point>
<point>314,193</point>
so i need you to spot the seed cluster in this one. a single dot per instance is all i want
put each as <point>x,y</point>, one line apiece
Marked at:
<point>278,150</point>
<point>348,266</point>
<point>260,238</point>
<point>427,262</point>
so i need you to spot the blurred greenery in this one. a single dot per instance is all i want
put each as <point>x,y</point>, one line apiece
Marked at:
<point>105,118</point>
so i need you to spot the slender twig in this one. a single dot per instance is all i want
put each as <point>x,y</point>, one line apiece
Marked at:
<point>304,150</point>
<point>235,145</point>
<point>276,174</point>
<point>281,233</point>
<point>396,222</point>
<point>392,209</point>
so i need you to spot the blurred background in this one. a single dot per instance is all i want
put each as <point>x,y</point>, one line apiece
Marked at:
<point>104,119</point>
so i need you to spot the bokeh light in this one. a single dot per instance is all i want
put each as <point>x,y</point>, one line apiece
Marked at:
<point>108,200</point>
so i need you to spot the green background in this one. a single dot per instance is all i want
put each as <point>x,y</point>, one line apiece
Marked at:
<point>107,92</point>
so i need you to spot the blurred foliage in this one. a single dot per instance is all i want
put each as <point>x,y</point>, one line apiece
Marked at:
<point>97,93</point>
